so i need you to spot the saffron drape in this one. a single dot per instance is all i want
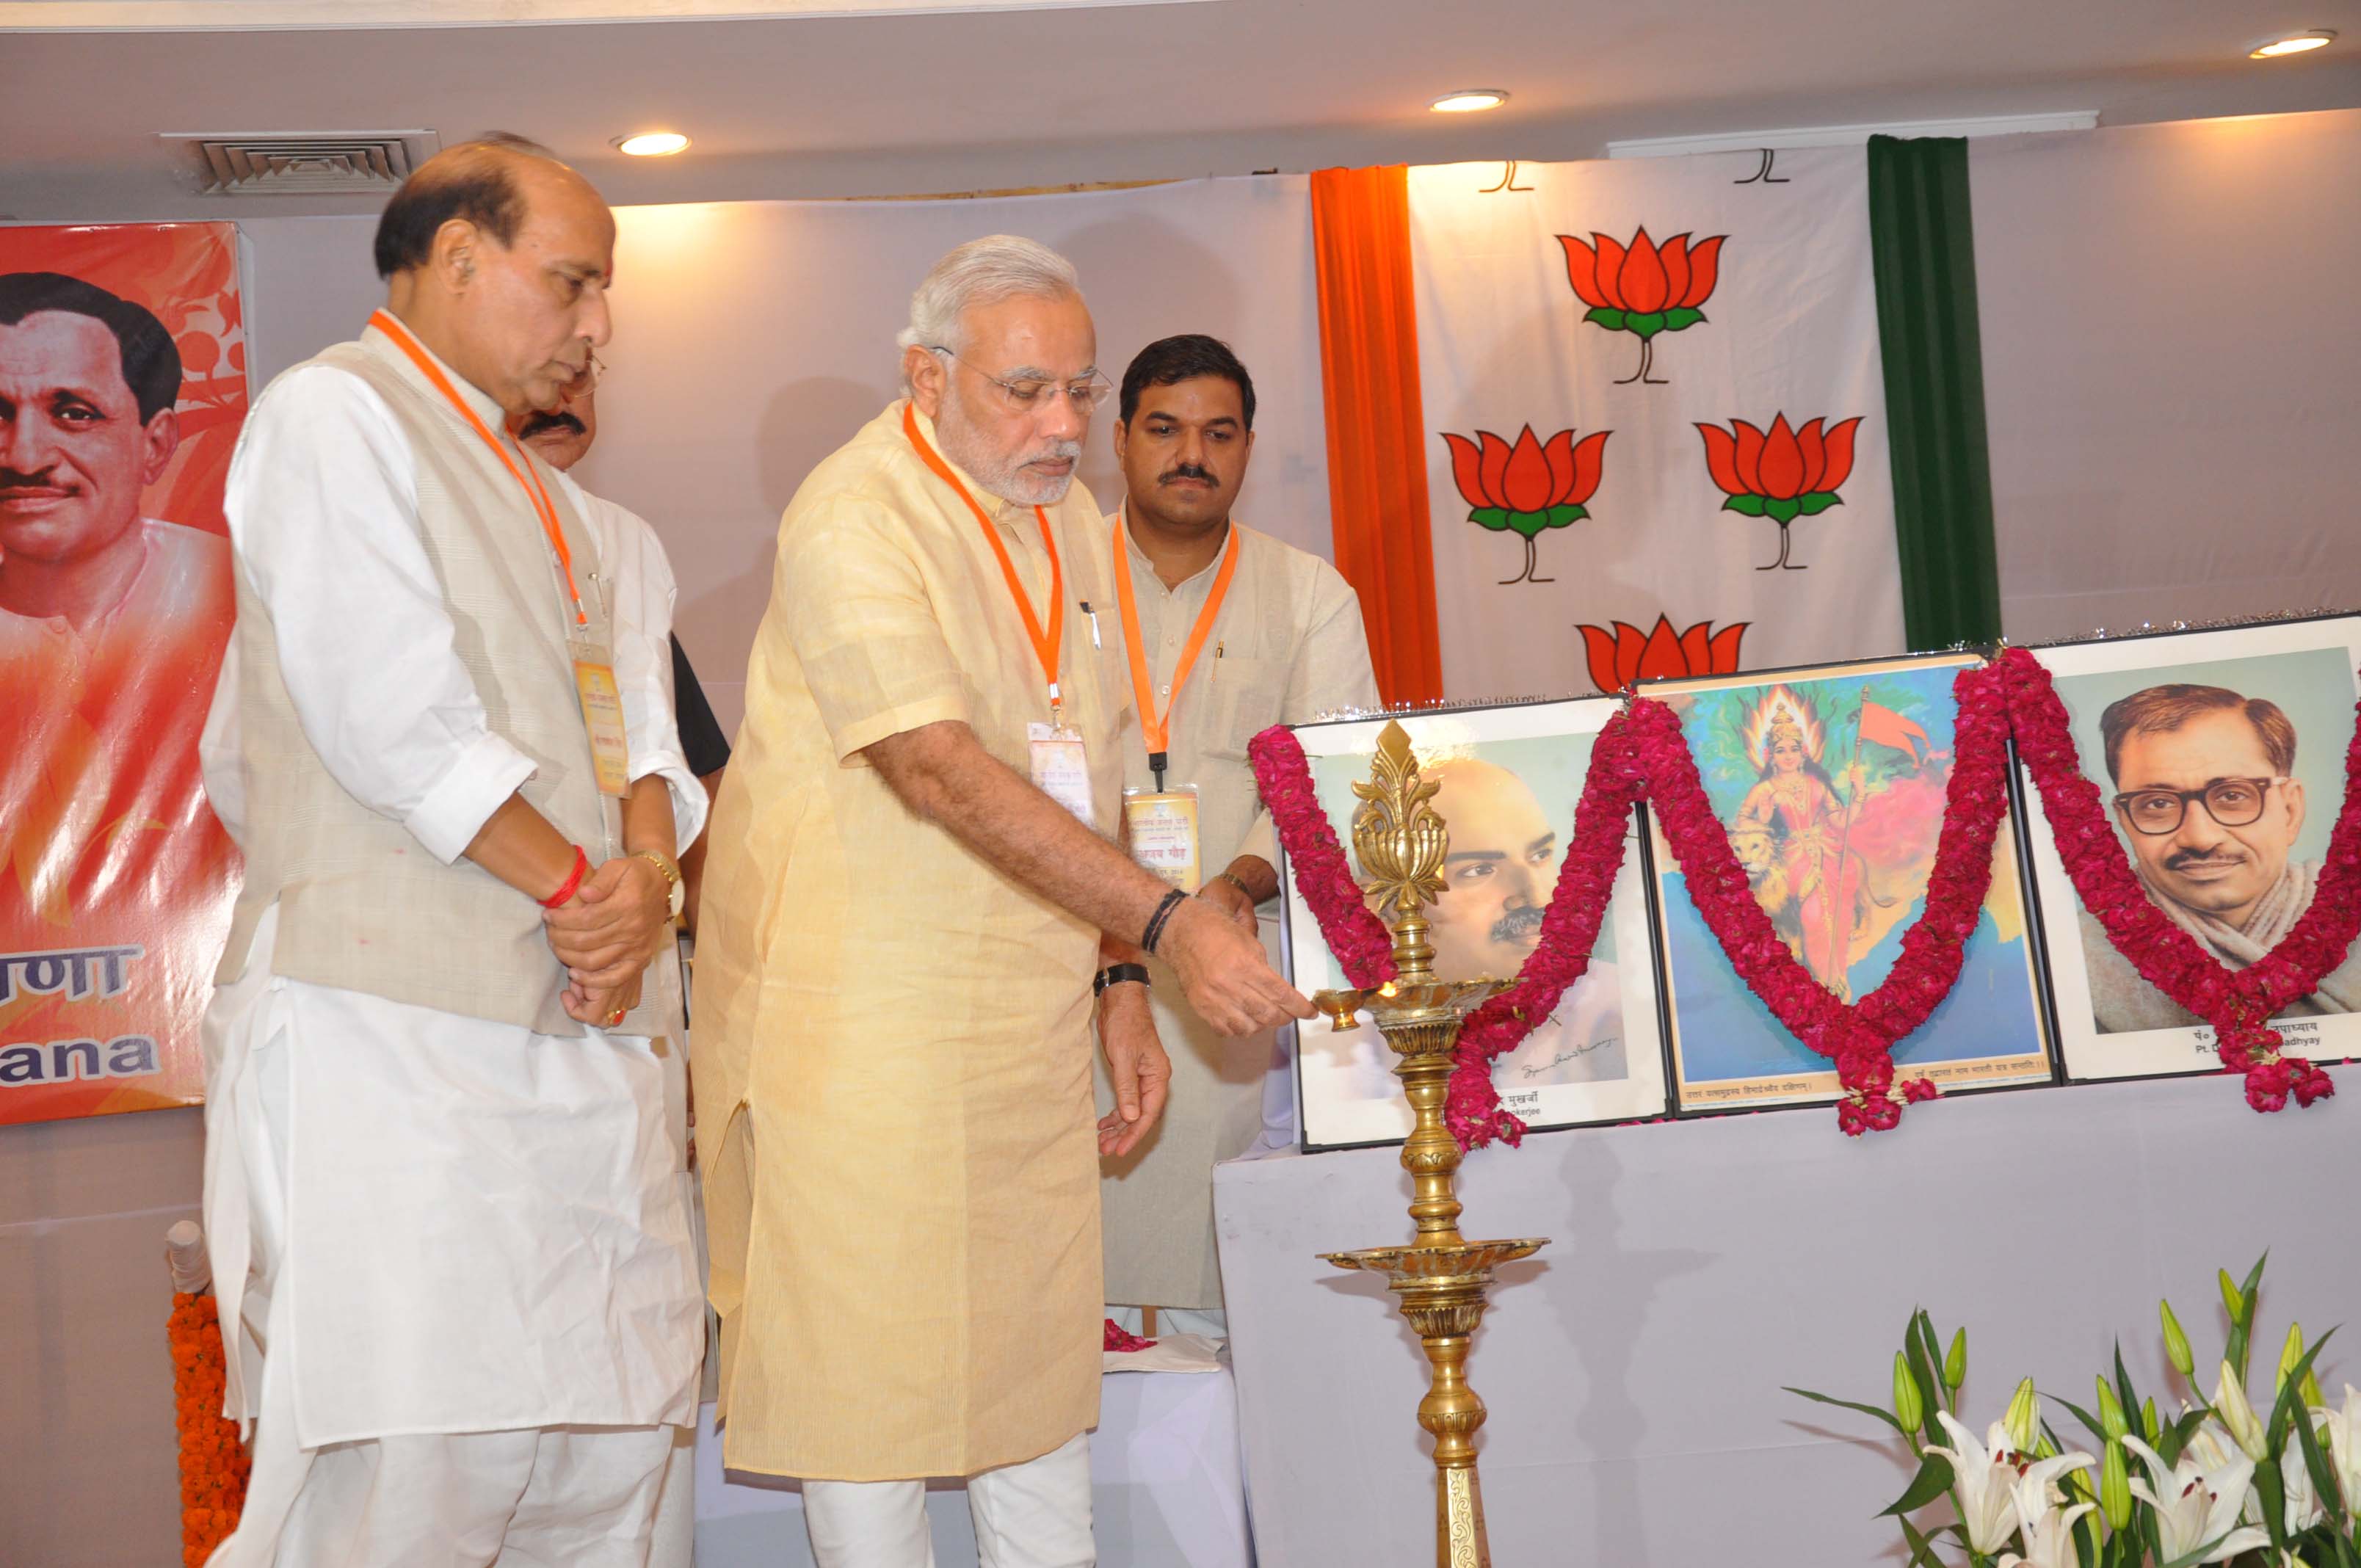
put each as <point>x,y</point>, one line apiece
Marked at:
<point>1376,427</point>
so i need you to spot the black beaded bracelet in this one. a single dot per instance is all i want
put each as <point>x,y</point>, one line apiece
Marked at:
<point>1156,921</point>
<point>1118,974</point>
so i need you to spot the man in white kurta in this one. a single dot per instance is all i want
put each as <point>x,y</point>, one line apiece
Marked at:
<point>459,1303</point>
<point>1278,639</point>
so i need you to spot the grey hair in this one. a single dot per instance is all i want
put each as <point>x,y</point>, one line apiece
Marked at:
<point>983,272</point>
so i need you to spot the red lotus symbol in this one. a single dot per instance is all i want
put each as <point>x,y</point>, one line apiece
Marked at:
<point>1644,288</point>
<point>1781,473</point>
<point>1626,655</point>
<point>1528,486</point>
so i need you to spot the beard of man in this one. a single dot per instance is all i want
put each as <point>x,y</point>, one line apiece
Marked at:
<point>1003,474</point>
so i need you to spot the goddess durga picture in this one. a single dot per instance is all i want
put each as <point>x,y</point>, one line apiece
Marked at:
<point>1802,842</point>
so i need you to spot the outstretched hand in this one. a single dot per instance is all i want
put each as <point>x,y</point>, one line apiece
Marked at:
<point>1224,972</point>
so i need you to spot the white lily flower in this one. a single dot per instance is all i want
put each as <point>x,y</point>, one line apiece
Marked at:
<point>2345,1443</point>
<point>2049,1529</point>
<point>2197,1506</point>
<point>2230,1403</point>
<point>1982,1473</point>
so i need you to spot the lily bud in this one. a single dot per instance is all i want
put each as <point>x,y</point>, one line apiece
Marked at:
<point>2230,1404</point>
<point>1955,1365</point>
<point>2289,1353</point>
<point>2023,1417</point>
<point>1907,1406</point>
<point>2148,1422</point>
<point>2116,1488</point>
<point>2176,1343</point>
<point>2312,1398</point>
<point>2232,1300</point>
<point>2111,1413</point>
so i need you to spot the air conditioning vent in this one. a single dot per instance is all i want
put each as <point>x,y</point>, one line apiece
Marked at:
<point>303,163</point>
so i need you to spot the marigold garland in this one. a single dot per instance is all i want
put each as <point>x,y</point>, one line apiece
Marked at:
<point>213,1462</point>
<point>1641,754</point>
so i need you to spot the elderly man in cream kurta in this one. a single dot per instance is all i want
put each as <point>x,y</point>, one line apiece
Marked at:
<point>1278,639</point>
<point>897,957</point>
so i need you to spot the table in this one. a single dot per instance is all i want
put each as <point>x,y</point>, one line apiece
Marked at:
<point>1633,1368</point>
<point>1167,1489</point>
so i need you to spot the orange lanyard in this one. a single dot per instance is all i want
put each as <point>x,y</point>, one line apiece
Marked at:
<point>1045,644</point>
<point>1155,727</point>
<point>536,495</point>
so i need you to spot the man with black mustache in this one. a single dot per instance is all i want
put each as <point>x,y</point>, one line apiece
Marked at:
<point>562,436</point>
<point>1225,631</point>
<point>2207,802</point>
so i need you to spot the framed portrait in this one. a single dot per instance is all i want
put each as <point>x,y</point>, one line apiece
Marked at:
<point>1510,777</point>
<point>2220,757</point>
<point>1831,782</point>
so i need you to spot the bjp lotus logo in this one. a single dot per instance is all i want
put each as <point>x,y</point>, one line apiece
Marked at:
<point>1643,288</point>
<point>1526,488</point>
<point>1621,658</point>
<point>1781,473</point>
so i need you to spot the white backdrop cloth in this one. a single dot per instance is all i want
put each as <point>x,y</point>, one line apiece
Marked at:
<point>1167,1489</point>
<point>1790,327</point>
<point>1633,1368</point>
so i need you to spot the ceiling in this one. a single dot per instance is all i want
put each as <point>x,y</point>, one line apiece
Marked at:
<point>890,104</point>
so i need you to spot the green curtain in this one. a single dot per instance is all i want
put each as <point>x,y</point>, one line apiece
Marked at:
<point>1923,241</point>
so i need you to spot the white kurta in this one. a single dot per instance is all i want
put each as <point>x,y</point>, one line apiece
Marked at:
<point>450,1225</point>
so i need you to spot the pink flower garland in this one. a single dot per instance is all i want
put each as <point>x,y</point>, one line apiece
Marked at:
<point>1359,938</point>
<point>2239,1004</point>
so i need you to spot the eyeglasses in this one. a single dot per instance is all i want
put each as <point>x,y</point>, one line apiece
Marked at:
<point>1023,395</point>
<point>588,378</point>
<point>2232,803</point>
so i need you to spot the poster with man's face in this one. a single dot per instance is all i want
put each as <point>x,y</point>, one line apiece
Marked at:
<point>121,391</point>
<point>2220,759</point>
<point>1509,779</point>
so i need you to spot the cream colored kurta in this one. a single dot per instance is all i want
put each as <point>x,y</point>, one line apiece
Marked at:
<point>893,1043</point>
<point>1287,647</point>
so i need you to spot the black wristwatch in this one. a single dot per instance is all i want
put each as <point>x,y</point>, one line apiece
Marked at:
<point>1119,974</point>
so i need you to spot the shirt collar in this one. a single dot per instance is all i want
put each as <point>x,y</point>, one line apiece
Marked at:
<point>488,408</point>
<point>1139,557</point>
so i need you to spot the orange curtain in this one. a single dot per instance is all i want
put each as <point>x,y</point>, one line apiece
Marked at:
<point>1376,426</point>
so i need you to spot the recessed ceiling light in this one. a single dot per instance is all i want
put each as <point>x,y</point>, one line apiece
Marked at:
<point>652,144</point>
<point>2293,43</point>
<point>1468,101</point>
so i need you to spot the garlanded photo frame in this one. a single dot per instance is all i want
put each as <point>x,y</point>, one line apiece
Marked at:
<point>2178,729</point>
<point>1831,782</point>
<point>1510,776</point>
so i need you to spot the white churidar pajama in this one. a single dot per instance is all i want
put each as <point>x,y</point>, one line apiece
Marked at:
<point>1034,1514</point>
<point>457,1292</point>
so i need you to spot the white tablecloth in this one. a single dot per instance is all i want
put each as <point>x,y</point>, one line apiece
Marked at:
<point>1634,1367</point>
<point>1167,1490</point>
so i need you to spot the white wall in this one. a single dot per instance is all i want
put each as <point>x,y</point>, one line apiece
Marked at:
<point>2172,362</point>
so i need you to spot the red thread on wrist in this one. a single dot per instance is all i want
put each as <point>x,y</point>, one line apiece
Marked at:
<point>572,880</point>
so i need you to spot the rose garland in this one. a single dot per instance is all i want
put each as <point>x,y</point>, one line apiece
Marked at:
<point>2239,1004</point>
<point>213,1463</point>
<point>1641,754</point>
<point>1359,938</point>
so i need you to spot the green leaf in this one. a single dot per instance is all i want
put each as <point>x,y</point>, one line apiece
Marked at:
<point>1934,1479</point>
<point>1606,316</point>
<point>2177,1433</point>
<point>1886,1416</point>
<point>1680,318</point>
<point>1818,501</point>
<point>1647,323</point>
<point>2243,1336</point>
<point>1494,518</point>
<point>2324,1479</point>
<point>1746,506</point>
<point>2096,1427</point>
<point>1782,511</point>
<point>1561,516</point>
<point>1530,523</point>
<point>2290,1400</point>
<point>2270,1488</point>
<point>1922,1551</point>
<point>2126,1393</point>
<point>1921,1366</point>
